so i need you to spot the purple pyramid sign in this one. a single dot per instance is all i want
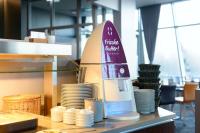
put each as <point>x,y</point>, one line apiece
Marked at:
<point>113,54</point>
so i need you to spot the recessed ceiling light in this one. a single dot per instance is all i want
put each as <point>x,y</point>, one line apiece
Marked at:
<point>53,0</point>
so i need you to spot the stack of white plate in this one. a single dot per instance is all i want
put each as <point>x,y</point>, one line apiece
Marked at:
<point>57,113</point>
<point>145,100</point>
<point>84,118</point>
<point>73,95</point>
<point>69,116</point>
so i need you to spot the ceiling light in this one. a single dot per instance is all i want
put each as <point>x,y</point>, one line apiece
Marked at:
<point>53,0</point>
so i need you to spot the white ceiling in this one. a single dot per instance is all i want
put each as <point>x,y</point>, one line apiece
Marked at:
<point>141,3</point>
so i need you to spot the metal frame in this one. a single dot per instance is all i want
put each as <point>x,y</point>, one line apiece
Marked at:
<point>25,52</point>
<point>51,28</point>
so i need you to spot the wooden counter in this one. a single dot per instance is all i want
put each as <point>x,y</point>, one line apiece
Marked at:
<point>197,111</point>
<point>161,117</point>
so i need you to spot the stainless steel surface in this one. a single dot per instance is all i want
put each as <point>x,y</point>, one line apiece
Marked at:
<point>29,48</point>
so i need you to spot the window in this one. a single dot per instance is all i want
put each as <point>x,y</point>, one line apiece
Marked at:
<point>166,18</point>
<point>166,53</point>
<point>189,40</point>
<point>187,12</point>
<point>40,14</point>
<point>177,48</point>
<point>70,20</point>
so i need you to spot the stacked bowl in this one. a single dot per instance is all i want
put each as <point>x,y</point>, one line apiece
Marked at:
<point>84,118</point>
<point>57,113</point>
<point>69,116</point>
<point>149,79</point>
<point>73,95</point>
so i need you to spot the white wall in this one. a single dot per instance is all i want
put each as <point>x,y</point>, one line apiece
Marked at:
<point>128,34</point>
<point>19,83</point>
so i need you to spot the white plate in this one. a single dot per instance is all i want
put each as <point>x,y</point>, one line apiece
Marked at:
<point>82,125</point>
<point>78,85</point>
<point>77,89</point>
<point>73,104</point>
<point>76,107</point>
<point>84,121</point>
<point>74,98</point>
<point>72,101</point>
<point>76,92</point>
<point>49,131</point>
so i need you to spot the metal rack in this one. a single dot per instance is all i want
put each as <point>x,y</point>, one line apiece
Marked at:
<point>46,54</point>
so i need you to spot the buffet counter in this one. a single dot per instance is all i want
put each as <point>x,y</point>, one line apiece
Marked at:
<point>161,121</point>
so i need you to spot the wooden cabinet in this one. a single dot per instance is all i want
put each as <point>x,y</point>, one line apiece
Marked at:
<point>168,127</point>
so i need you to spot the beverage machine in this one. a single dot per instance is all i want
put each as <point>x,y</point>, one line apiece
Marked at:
<point>105,65</point>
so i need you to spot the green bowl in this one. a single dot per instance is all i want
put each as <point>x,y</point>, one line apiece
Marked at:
<point>154,86</point>
<point>151,67</point>
<point>149,74</point>
<point>149,79</point>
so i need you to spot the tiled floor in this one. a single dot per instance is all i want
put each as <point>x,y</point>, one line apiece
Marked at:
<point>187,124</point>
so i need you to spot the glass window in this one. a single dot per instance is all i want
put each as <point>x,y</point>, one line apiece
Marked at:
<point>65,13</point>
<point>189,40</point>
<point>86,11</point>
<point>64,35</point>
<point>166,18</point>
<point>187,12</point>
<point>67,36</point>
<point>40,14</point>
<point>166,53</point>
<point>109,15</point>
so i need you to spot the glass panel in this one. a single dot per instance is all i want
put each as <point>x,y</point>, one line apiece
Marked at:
<point>65,12</point>
<point>189,39</point>
<point>166,18</point>
<point>109,15</point>
<point>99,15</point>
<point>166,54</point>
<point>67,36</point>
<point>187,12</point>
<point>40,14</point>
<point>86,11</point>
<point>85,33</point>
<point>64,35</point>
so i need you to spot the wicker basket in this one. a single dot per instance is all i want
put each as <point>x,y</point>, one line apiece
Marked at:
<point>27,103</point>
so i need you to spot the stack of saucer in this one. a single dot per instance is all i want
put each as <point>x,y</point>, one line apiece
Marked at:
<point>57,113</point>
<point>73,95</point>
<point>84,118</point>
<point>69,116</point>
<point>144,99</point>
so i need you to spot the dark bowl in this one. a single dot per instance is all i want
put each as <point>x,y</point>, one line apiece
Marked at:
<point>150,67</point>
<point>150,74</point>
<point>154,86</point>
<point>149,79</point>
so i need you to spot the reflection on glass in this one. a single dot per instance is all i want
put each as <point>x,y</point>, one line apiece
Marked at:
<point>166,53</point>
<point>189,40</point>
<point>67,36</point>
<point>40,14</point>
<point>65,12</point>
<point>166,18</point>
<point>187,12</point>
